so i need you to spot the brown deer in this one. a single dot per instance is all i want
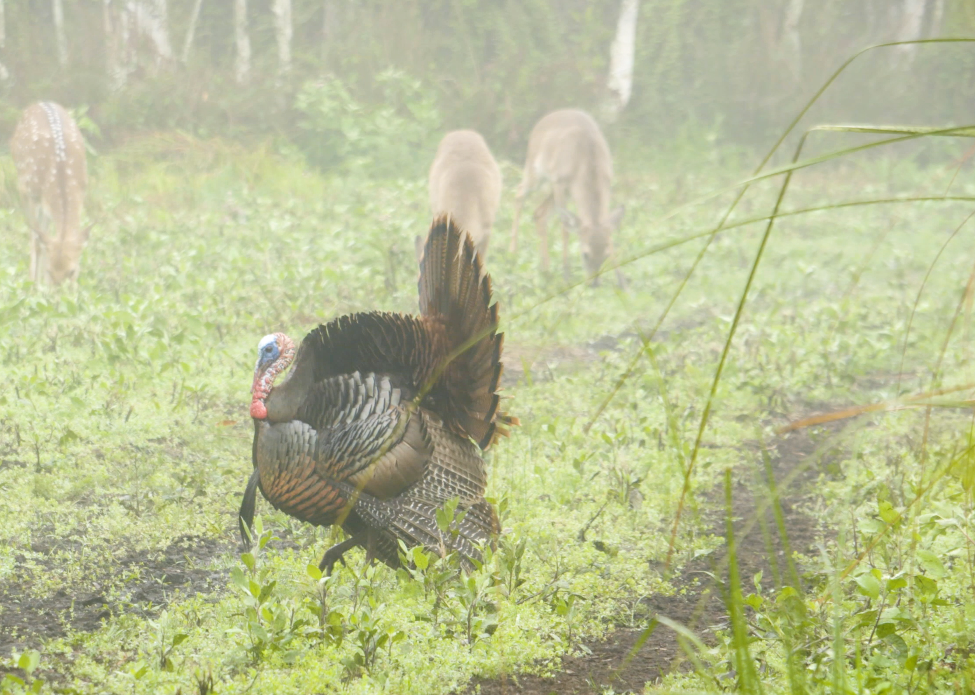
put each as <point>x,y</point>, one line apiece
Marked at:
<point>567,151</point>
<point>52,175</point>
<point>465,182</point>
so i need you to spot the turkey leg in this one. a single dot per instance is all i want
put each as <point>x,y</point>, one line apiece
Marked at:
<point>335,553</point>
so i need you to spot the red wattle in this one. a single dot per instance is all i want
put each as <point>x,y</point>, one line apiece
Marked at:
<point>257,378</point>
<point>258,409</point>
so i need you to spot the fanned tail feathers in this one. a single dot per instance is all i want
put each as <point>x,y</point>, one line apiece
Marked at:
<point>455,291</point>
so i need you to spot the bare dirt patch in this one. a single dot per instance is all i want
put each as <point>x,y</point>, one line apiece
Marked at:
<point>26,621</point>
<point>700,607</point>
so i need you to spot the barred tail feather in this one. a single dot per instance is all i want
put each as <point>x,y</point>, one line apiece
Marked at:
<point>455,290</point>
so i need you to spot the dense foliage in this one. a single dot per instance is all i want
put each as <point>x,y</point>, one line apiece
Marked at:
<point>495,66</point>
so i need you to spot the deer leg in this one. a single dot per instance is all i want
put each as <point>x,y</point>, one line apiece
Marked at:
<point>541,223</point>
<point>335,553</point>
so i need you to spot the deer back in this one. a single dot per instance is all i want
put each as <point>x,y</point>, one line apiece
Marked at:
<point>465,181</point>
<point>52,176</point>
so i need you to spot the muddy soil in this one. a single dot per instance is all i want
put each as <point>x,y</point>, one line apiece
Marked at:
<point>26,621</point>
<point>701,607</point>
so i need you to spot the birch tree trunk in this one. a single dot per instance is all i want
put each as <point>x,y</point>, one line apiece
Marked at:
<point>156,26</point>
<point>620,80</point>
<point>911,27</point>
<point>113,67</point>
<point>59,36</point>
<point>191,31</point>
<point>282,33</point>
<point>242,67</point>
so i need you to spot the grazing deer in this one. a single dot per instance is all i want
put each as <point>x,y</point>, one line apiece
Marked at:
<point>52,175</point>
<point>567,151</point>
<point>465,182</point>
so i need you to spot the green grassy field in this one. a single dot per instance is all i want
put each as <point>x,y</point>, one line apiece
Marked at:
<point>125,438</point>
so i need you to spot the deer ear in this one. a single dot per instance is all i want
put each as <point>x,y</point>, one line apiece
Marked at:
<point>616,216</point>
<point>569,219</point>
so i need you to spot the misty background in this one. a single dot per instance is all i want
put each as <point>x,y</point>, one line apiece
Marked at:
<point>366,85</point>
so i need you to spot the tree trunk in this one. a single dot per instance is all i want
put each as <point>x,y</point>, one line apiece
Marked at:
<point>242,67</point>
<point>157,28</point>
<point>113,59</point>
<point>282,33</point>
<point>620,80</point>
<point>59,36</point>
<point>191,31</point>
<point>911,26</point>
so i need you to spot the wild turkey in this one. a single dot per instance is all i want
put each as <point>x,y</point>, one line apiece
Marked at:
<point>372,429</point>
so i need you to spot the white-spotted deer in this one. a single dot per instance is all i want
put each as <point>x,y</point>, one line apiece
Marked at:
<point>465,182</point>
<point>52,175</point>
<point>567,151</point>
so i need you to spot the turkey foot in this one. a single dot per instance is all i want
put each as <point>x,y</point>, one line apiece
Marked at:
<point>335,553</point>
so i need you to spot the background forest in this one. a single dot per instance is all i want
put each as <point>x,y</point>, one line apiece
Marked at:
<point>337,78</point>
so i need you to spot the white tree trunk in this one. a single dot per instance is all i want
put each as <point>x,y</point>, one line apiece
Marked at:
<point>911,27</point>
<point>191,31</point>
<point>791,43</point>
<point>113,67</point>
<point>243,61</point>
<point>150,19</point>
<point>282,32</point>
<point>159,29</point>
<point>620,80</point>
<point>59,36</point>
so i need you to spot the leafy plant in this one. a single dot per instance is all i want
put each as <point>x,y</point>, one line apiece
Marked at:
<point>368,636</point>
<point>270,621</point>
<point>27,662</point>
<point>168,640</point>
<point>339,131</point>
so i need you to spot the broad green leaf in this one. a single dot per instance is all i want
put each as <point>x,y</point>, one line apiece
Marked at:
<point>931,564</point>
<point>869,585</point>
